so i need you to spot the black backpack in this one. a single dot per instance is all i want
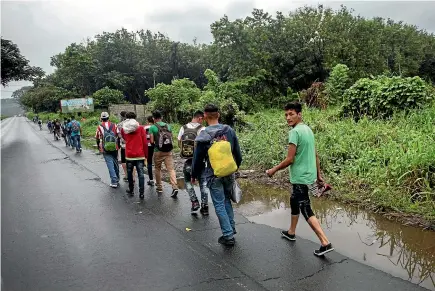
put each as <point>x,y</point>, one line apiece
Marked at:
<point>188,141</point>
<point>164,138</point>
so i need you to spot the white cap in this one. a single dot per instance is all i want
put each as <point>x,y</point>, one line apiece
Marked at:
<point>104,115</point>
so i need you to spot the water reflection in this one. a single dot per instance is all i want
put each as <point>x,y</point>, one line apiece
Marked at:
<point>402,251</point>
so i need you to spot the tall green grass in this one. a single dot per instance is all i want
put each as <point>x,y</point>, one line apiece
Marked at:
<point>386,164</point>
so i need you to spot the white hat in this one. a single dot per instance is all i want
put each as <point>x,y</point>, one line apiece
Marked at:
<point>104,115</point>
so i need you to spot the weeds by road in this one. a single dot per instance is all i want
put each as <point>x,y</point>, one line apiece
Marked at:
<point>386,165</point>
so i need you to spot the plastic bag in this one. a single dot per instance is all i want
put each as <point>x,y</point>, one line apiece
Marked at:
<point>236,194</point>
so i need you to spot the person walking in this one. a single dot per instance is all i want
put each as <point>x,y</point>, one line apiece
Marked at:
<point>64,128</point>
<point>304,172</point>
<point>106,138</point>
<point>136,151</point>
<point>186,143</point>
<point>219,147</point>
<point>57,127</point>
<point>122,144</point>
<point>76,132</point>
<point>150,150</point>
<point>161,137</point>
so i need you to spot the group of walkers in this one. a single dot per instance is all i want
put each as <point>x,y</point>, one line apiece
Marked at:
<point>212,157</point>
<point>70,130</point>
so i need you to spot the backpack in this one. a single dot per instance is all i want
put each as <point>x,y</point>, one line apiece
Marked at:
<point>109,138</point>
<point>75,126</point>
<point>164,139</point>
<point>221,157</point>
<point>188,141</point>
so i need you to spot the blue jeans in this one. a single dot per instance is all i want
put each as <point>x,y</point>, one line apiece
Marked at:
<point>187,170</point>
<point>139,164</point>
<point>76,142</point>
<point>112,165</point>
<point>220,191</point>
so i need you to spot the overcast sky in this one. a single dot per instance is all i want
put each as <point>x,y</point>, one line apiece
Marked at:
<point>42,29</point>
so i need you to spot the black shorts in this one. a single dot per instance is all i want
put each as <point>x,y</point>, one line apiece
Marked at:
<point>300,200</point>
<point>123,160</point>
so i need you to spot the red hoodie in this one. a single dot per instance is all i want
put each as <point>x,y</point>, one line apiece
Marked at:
<point>136,143</point>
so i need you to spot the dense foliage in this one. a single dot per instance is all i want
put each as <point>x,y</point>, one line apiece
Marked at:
<point>179,100</point>
<point>104,97</point>
<point>386,164</point>
<point>338,81</point>
<point>14,66</point>
<point>257,59</point>
<point>382,96</point>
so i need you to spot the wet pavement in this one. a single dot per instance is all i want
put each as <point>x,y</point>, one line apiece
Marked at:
<point>403,251</point>
<point>63,228</point>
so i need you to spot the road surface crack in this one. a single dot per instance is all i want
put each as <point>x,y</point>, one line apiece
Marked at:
<point>271,278</point>
<point>208,281</point>
<point>54,160</point>
<point>321,269</point>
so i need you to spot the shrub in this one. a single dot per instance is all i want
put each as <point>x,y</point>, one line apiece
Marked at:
<point>337,83</point>
<point>104,97</point>
<point>175,100</point>
<point>382,96</point>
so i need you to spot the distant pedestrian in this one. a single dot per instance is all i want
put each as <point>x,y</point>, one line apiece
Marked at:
<point>64,128</point>
<point>136,151</point>
<point>186,143</point>
<point>68,132</point>
<point>76,132</point>
<point>106,137</point>
<point>161,137</point>
<point>219,147</point>
<point>150,150</point>
<point>304,172</point>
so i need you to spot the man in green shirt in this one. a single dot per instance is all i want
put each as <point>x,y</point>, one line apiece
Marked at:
<point>161,137</point>
<point>304,172</point>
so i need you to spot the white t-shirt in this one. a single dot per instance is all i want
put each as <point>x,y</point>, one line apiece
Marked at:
<point>190,125</point>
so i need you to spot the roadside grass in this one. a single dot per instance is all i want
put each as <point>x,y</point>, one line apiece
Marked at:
<point>384,164</point>
<point>3,117</point>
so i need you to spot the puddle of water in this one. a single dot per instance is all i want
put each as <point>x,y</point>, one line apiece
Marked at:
<point>403,251</point>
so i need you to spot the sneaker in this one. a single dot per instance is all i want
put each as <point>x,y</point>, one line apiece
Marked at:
<point>290,237</point>
<point>195,206</point>
<point>226,241</point>
<point>323,250</point>
<point>114,185</point>
<point>129,192</point>
<point>125,179</point>
<point>150,183</point>
<point>174,193</point>
<point>159,190</point>
<point>204,209</point>
<point>141,196</point>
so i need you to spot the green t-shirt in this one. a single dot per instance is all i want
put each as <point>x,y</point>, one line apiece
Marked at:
<point>304,168</point>
<point>154,130</point>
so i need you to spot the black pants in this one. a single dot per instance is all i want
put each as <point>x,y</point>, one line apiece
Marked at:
<point>139,164</point>
<point>150,162</point>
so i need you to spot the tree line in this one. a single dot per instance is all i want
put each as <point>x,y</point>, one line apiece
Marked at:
<point>265,57</point>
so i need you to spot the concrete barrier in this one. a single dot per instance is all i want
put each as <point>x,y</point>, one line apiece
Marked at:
<point>141,110</point>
